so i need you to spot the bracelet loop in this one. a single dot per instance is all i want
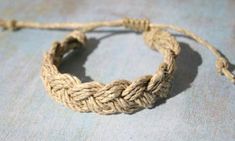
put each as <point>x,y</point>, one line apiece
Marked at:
<point>119,96</point>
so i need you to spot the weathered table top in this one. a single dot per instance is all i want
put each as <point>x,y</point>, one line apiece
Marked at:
<point>202,105</point>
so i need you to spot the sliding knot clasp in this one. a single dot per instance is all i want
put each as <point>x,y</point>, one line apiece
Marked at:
<point>137,24</point>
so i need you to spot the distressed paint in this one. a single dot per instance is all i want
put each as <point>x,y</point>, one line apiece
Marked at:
<point>202,105</point>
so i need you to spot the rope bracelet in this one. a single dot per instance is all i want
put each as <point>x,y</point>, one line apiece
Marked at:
<point>120,96</point>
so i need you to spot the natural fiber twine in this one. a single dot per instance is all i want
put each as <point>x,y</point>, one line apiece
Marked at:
<point>120,96</point>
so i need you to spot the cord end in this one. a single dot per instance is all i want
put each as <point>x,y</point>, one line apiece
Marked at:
<point>9,24</point>
<point>222,68</point>
<point>229,75</point>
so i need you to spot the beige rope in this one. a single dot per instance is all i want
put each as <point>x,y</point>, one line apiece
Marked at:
<point>119,96</point>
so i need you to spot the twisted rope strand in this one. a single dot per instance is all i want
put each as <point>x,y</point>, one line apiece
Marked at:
<point>120,96</point>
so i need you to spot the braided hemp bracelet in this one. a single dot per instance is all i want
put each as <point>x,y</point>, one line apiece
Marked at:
<point>119,96</point>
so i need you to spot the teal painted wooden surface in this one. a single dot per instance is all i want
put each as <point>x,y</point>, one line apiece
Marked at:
<point>202,105</point>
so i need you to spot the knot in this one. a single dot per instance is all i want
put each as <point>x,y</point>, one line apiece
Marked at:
<point>221,63</point>
<point>9,25</point>
<point>76,36</point>
<point>74,40</point>
<point>161,41</point>
<point>137,24</point>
